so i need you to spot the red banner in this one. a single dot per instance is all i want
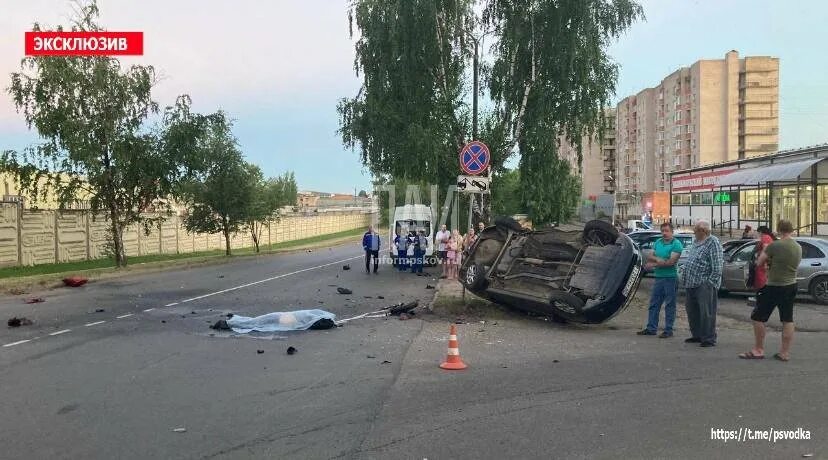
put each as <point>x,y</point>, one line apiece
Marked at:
<point>701,181</point>
<point>84,43</point>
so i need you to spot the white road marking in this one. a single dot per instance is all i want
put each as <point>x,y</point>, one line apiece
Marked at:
<point>149,309</point>
<point>269,279</point>
<point>124,316</point>
<point>172,304</point>
<point>61,332</point>
<point>16,343</point>
<point>94,324</point>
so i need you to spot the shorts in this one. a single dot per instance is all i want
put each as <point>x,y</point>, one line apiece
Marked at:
<point>441,256</point>
<point>770,297</point>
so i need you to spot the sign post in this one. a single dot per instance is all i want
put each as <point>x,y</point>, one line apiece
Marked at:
<point>474,160</point>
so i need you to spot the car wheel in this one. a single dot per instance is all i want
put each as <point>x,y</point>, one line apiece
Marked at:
<point>600,233</point>
<point>567,303</point>
<point>819,289</point>
<point>475,277</point>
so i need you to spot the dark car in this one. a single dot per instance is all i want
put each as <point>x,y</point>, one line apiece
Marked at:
<point>582,275</point>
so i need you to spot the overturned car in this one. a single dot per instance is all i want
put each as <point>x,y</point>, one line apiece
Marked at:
<point>582,275</point>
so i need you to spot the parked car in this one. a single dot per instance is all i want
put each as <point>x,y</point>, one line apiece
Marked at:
<point>728,247</point>
<point>812,275</point>
<point>643,235</point>
<point>583,275</point>
<point>646,247</point>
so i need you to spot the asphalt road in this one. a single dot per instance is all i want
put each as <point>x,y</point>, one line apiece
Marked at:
<point>118,382</point>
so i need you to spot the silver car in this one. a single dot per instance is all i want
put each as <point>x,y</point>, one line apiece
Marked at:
<point>812,275</point>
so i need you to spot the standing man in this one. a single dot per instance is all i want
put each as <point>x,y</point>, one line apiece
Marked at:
<point>702,276</point>
<point>371,245</point>
<point>442,239</point>
<point>783,257</point>
<point>401,244</point>
<point>420,247</point>
<point>480,227</point>
<point>666,253</point>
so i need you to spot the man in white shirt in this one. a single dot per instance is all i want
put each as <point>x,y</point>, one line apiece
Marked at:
<point>442,239</point>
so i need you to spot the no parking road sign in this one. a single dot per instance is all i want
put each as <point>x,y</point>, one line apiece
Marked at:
<point>474,158</point>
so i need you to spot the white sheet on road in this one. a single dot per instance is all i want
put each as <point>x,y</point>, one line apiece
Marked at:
<point>279,321</point>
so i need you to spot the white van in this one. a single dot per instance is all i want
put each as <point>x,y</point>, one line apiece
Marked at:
<point>410,217</point>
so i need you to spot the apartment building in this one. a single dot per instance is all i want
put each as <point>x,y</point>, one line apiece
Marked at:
<point>597,168</point>
<point>714,111</point>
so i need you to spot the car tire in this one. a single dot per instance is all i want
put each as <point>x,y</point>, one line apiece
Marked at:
<point>819,289</point>
<point>475,277</point>
<point>508,223</point>
<point>599,232</point>
<point>568,304</point>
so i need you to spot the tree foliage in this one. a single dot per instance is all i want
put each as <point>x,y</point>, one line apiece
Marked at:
<point>219,196</point>
<point>268,196</point>
<point>91,114</point>
<point>549,75</point>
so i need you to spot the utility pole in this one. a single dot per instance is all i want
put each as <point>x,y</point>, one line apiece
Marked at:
<point>476,72</point>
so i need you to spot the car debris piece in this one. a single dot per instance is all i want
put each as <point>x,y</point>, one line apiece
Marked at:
<point>179,430</point>
<point>258,352</point>
<point>17,322</point>
<point>220,276</point>
<point>582,275</point>
<point>221,325</point>
<point>343,290</point>
<point>291,351</point>
<point>229,315</point>
<point>75,281</point>
<point>399,308</point>
<point>35,300</point>
<point>346,267</point>
<point>386,362</point>
<point>99,310</point>
<point>371,357</point>
<point>380,297</point>
<point>428,286</point>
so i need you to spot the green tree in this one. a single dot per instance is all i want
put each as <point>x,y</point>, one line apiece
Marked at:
<point>549,75</point>
<point>91,114</point>
<point>267,197</point>
<point>219,197</point>
<point>506,193</point>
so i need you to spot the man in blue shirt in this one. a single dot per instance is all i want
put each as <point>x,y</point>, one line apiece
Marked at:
<point>371,245</point>
<point>666,253</point>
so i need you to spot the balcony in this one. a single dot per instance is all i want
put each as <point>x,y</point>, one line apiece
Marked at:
<point>765,83</point>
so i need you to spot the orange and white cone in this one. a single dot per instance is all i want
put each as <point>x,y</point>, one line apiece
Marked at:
<point>453,361</point>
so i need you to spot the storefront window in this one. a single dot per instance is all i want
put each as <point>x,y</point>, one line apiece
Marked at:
<point>785,205</point>
<point>822,203</point>
<point>753,205</point>
<point>681,199</point>
<point>703,198</point>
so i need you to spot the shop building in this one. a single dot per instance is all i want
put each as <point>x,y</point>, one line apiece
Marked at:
<point>791,184</point>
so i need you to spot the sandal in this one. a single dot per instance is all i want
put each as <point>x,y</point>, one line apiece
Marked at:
<point>779,357</point>
<point>750,355</point>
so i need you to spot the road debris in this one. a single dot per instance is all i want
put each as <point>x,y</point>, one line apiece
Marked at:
<point>346,267</point>
<point>221,325</point>
<point>179,430</point>
<point>399,308</point>
<point>220,276</point>
<point>386,362</point>
<point>428,286</point>
<point>75,281</point>
<point>380,297</point>
<point>291,351</point>
<point>17,322</point>
<point>371,357</point>
<point>35,300</point>
<point>229,315</point>
<point>259,352</point>
<point>99,310</point>
<point>343,290</point>
<point>404,316</point>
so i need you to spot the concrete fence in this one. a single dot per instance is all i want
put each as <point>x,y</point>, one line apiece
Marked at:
<point>41,237</point>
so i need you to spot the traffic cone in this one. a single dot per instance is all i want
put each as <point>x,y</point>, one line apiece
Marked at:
<point>453,361</point>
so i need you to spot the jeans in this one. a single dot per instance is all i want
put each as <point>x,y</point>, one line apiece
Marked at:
<point>402,259</point>
<point>664,292</point>
<point>702,303</point>
<point>417,264</point>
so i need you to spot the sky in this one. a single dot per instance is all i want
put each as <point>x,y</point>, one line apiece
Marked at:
<point>278,67</point>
